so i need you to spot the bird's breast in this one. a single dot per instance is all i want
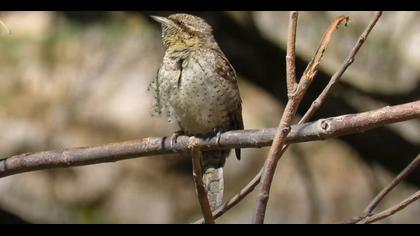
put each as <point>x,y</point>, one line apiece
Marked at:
<point>199,101</point>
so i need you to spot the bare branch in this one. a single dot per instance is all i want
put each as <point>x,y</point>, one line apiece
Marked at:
<point>374,203</point>
<point>283,129</point>
<point>318,130</point>
<point>197,160</point>
<point>291,55</point>
<point>391,211</point>
<point>410,168</point>
<point>334,79</point>
<point>313,65</point>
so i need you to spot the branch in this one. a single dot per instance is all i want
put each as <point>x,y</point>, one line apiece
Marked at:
<point>309,113</point>
<point>318,130</point>
<point>375,202</point>
<point>291,55</point>
<point>334,79</point>
<point>290,110</point>
<point>392,210</point>
<point>410,168</point>
<point>197,160</point>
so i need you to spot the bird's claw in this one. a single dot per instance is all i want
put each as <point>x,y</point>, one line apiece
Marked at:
<point>174,136</point>
<point>218,136</point>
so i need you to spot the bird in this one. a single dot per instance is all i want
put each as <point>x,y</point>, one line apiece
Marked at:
<point>197,88</point>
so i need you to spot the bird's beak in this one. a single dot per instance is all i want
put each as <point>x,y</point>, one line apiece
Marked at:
<point>161,19</point>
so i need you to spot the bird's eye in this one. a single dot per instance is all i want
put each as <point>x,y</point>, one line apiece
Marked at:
<point>178,23</point>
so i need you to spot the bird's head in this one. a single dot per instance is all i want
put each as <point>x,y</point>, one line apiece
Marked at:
<point>183,31</point>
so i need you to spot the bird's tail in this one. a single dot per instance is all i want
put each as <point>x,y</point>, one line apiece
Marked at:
<point>213,182</point>
<point>213,162</point>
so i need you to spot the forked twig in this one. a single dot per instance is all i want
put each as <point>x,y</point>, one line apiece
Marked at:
<point>410,168</point>
<point>367,213</point>
<point>290,110</point>
<point>392,210</point>
<point>334,79</point>
<point>309,113</point>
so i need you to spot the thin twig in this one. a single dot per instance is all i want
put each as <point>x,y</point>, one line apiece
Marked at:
<point>306,117</point>
<point>410,168</point>
<point>334,79</point>
<point>290,110</point>
<point>391,211</point>
<point>283,128</point>
<point>291,55</point>
<point>375,202</point>
<point>197,160</point>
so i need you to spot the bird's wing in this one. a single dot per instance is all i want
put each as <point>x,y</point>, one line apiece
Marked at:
<point>227,72</point>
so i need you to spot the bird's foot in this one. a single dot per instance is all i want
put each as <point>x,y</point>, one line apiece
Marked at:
<point>174,136</point>
<point>218,135</point>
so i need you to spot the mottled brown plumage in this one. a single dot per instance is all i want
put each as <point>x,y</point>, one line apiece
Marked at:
<point>196,87</point>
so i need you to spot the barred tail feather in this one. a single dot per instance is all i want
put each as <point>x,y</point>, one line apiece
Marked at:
<point>214,184</point>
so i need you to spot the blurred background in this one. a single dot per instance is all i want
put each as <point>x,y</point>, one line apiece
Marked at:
<point>70,79</point>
